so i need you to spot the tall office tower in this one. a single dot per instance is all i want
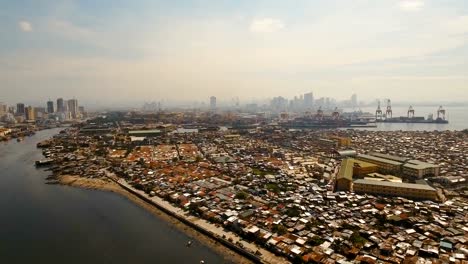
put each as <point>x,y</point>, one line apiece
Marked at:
<point>354,102</point>
<point>30,113</point>
<point>73,108</point>
<point>50,107</point>
<point>308,100</point>
<point>213,103</point>
<point>20,109</point>
<point>60,105</point>
<point>3,109</point>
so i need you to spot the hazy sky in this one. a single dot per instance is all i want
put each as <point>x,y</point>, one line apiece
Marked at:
<point>115,50</point>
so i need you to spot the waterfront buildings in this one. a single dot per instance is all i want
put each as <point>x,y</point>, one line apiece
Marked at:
<point>60,105</point>
<point>20,109</point>
<point>308,100</point>
<point>30,114</point>
<point>73,108</point>
<point>50,107</point>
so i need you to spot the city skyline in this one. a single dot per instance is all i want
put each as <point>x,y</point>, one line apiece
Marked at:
<point>405,50</point>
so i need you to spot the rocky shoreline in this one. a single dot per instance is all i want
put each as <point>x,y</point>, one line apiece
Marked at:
<point>105,184</point>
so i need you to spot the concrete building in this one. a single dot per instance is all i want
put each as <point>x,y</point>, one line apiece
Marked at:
<point>30,113</point>
<point>73,108</point>
<point>308,100</point>
<point>50,107</point>
<point>60,105</point>
<point>354,101</point>
<point>385,165</point>
<point>351,168</point>
<point>39,112</point>
<point>344,179</point>
<point>411,168</point>
<point>20,109</point>
<point>419,169</point>
<point>3,109</point>
<point>395,189</point>
<point>212,103</point>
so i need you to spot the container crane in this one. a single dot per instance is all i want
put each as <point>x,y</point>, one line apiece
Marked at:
<point>441,113</point>
<point>378,112</point>
<point>319,115</point>
<point>410,112</point>
<point>389,111</point>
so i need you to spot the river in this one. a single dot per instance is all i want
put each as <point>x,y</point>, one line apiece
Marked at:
<point>42,223</point>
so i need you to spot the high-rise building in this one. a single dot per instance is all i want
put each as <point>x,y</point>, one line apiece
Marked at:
<point>60,105</point>
<point>309,100</point>
<point>30,113</point>
<point>50,107</point>
<point>354,101</point>
<point>73,108</point>
<point>20,110</point>
<point>213,103</point>
<point>3,109</point>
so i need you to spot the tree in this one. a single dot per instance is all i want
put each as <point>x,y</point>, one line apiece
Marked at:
<point>241,195</point>
<point>293,212</point>
<point>279,229</point>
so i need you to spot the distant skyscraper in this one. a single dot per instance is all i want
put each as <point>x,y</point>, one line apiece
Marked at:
<point>20,110</point>
<point>308,100</point>
<point>354,101</point>
<point>3,109</point>
<point>50,107</point>
<point>213,103</point>
<point>30,113</point>
<point>73,108</point>
<point>60,105</point>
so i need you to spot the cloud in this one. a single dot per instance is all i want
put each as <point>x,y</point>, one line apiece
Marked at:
<point>411,5</point>
<point>25,26</point>
<point>266,25</point>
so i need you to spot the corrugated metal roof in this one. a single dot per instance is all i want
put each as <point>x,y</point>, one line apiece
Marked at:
<point>369,157</point>
<point>395,184</point>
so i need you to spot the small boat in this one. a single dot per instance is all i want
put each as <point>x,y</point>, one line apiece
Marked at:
<point>44,162</point>
<point>189,243</point>
<point>19,139</point>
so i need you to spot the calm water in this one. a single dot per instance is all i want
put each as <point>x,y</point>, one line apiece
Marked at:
<point>42,223</point>
<point>457,116</point>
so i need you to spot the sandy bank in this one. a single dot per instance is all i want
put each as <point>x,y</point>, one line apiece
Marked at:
<point>108,185</point>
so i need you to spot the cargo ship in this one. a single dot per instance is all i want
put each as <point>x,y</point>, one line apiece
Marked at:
<point>416,120</point>
<point>410,118</point>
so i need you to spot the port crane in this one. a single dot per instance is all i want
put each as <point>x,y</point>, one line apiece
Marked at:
<point>336,114</point>
<point>378,112</point>
<point>411,112</point>
<point>319,115</point>
<point>441,113</point>
<point>389,111</point>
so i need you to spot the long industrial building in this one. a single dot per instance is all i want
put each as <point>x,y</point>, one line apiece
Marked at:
<point>401,166</point>
<point>410,190</point>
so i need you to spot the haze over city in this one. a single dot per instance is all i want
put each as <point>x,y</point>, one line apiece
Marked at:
<point>189,50</point>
